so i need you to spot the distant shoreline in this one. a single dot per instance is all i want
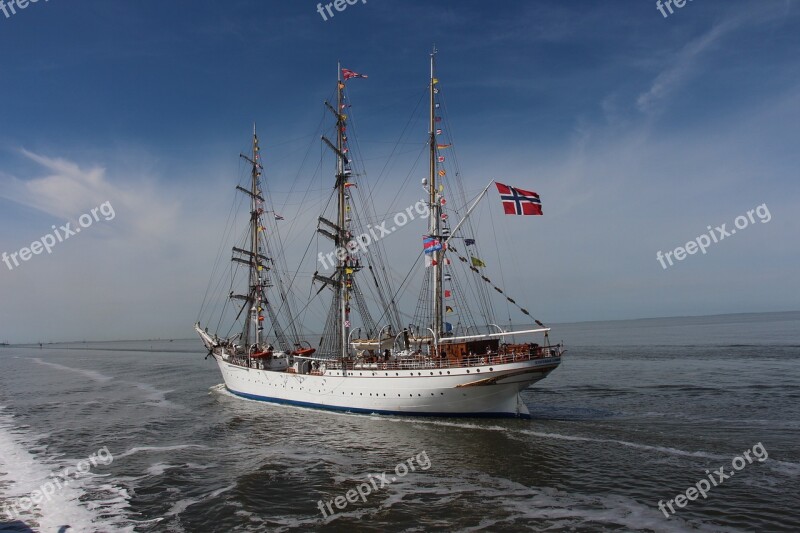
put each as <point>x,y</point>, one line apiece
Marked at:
<point>311,334</point>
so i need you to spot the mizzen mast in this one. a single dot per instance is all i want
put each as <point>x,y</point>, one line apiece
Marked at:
<point>435,217</point>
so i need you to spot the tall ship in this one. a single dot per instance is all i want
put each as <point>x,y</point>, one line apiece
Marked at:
<point>449,358</point>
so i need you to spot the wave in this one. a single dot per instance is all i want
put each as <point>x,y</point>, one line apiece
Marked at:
<point>88,503</point>
<point>140,449</point>
<point>91,374</point>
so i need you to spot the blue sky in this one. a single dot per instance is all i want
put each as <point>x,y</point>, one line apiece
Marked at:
<point>637,130</point>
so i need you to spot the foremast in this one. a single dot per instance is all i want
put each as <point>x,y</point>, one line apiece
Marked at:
<point>256,297</point>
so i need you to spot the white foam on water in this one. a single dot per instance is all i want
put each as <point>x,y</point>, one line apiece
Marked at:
<point>181,505</point>
<point>576,438</point>
<point>140,449</point>
<point>159,469</point>
<point>155,396</point>
<point>91,374</point>
<point>22,473</point>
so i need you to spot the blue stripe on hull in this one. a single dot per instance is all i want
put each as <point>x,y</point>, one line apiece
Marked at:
<point>358,410</point>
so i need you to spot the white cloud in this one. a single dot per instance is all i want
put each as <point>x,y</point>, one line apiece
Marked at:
<point>67,190</point>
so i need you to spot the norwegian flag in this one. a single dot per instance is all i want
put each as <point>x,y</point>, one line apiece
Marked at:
<point>519,201</point>
<point>347,74</point>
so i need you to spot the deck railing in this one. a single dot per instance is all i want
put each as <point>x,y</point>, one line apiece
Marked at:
<point>424,362</point>
<point>421,361</point>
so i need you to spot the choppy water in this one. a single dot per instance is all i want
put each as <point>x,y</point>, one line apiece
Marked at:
<point>637,413</point>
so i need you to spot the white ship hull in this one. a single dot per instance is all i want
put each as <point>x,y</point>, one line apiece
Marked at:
<point>486,390</point>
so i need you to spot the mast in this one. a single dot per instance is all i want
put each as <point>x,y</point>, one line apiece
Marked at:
<point>435,218</point>
<point>344,294</point>
<point>255,265</point>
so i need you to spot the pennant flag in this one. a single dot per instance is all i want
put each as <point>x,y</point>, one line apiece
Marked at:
<point>437,105</point>
<point>469,242</point>
<point>438,132</point>
<point>442,201</point>
<point>444,216</point>
<point>347,74</point>
<point>262,228</point>
<point>440,159</point>
<point>477,262</point>
<point>430,261</point>
<point>278,217</point>
<point>519,201</point>
<point>431,244</point>
<point>448,309</point>
<point>435,90</point>
<point>438,119</point>
<point>435,81</point>
<point>443,146</point>
<point>348,270</point>
<point>441,188</point>
<point>442,173</point>
<point>348,184</point>
<point>448,294</point>
<point>448,277</point>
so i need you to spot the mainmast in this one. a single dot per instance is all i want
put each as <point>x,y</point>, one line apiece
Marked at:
<point>435,217</point>
<point>256,267</point>
<point>341,179</point>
